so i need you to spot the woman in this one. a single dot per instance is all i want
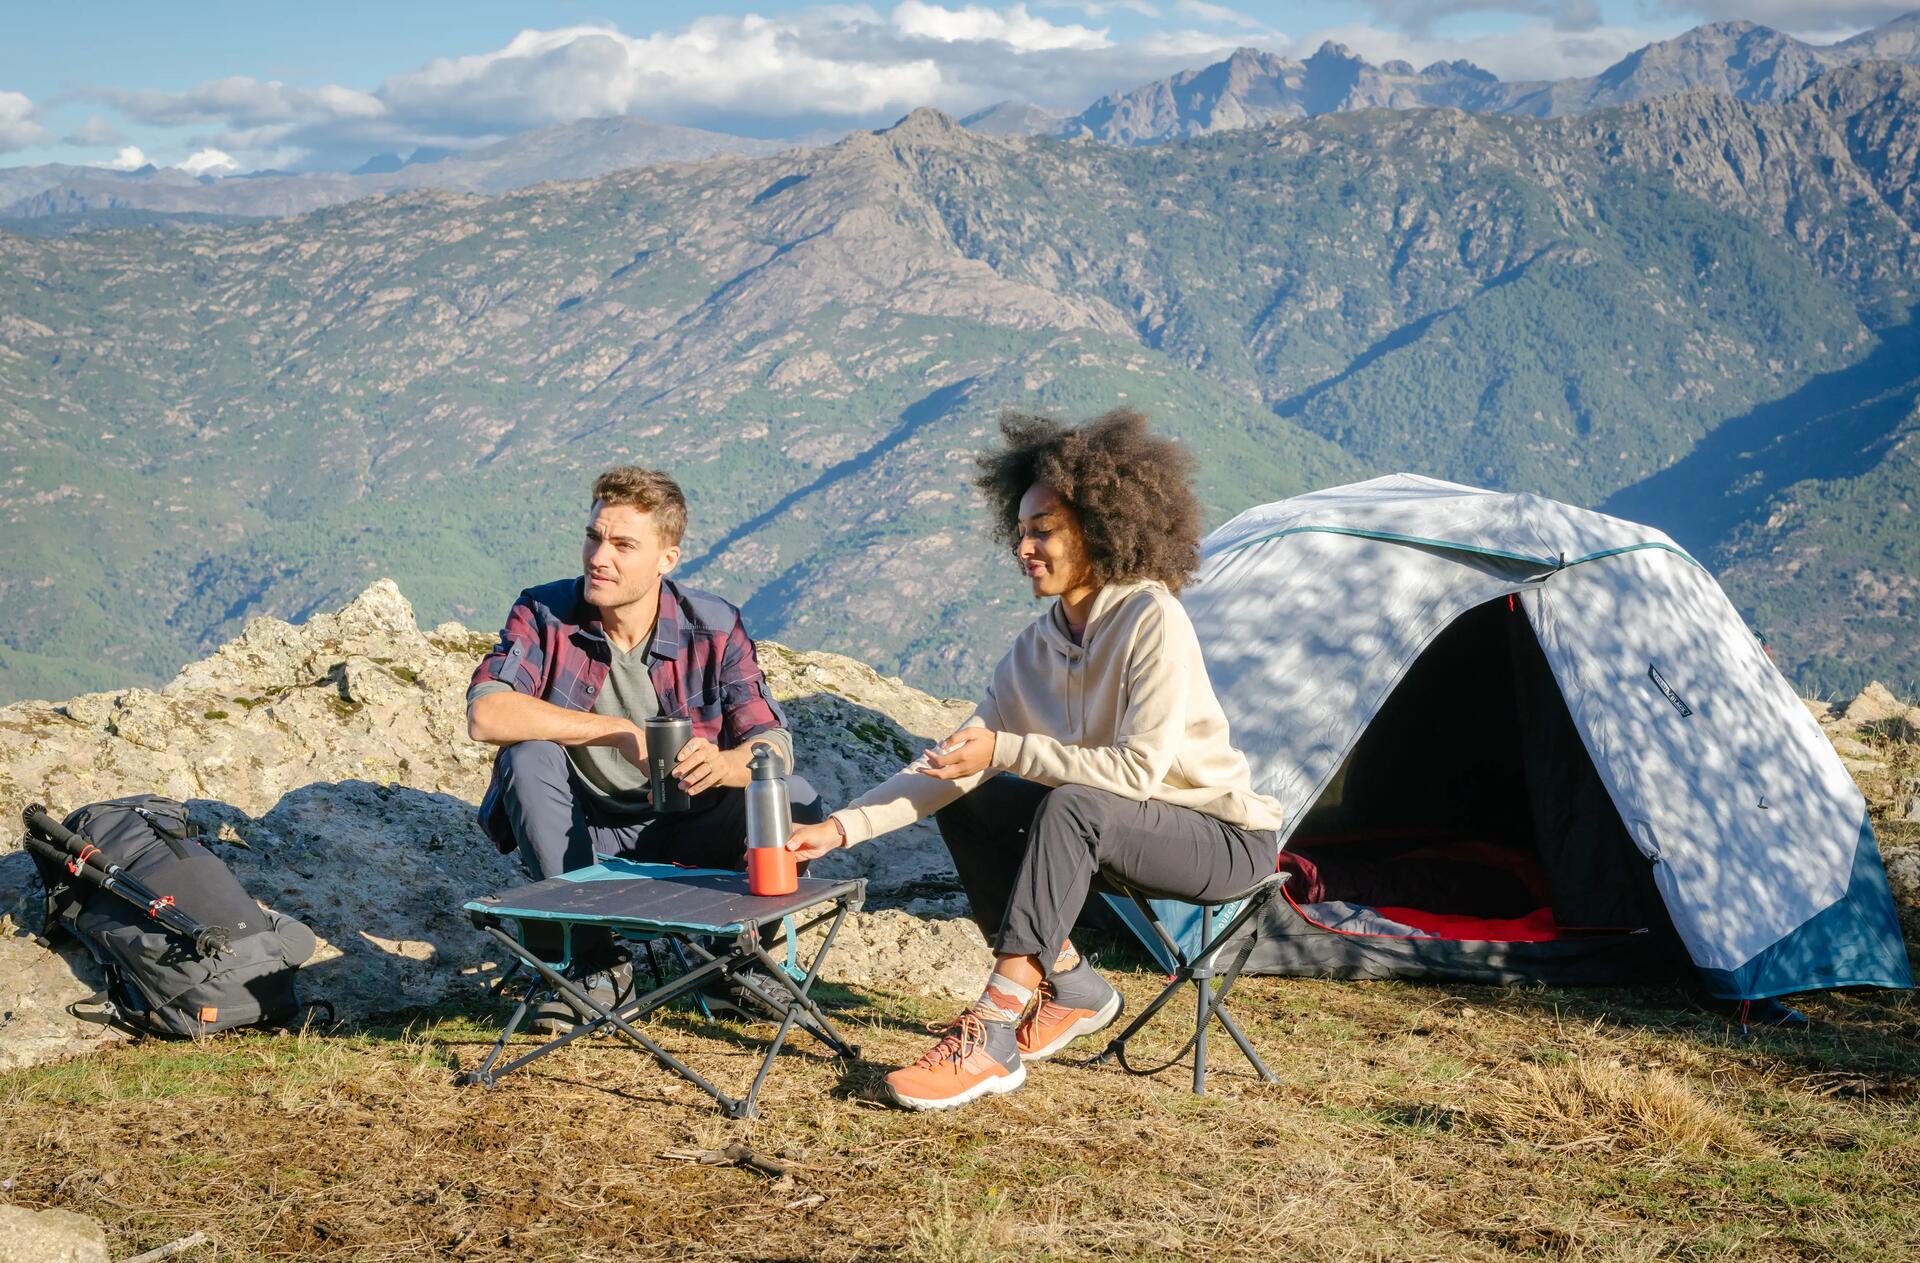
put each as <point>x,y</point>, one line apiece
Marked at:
<point>1113,748</point>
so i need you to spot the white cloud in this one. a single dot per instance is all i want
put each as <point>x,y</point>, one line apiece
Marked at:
<point>128,159</point>
<point>242,101</point>
<point>94,133</point>
<point>1419,16</point>
<point>1100,8</point>
<point>796,71</point>
<point>1205,12</point>
<point>1013,26</point>
<point>1816,20</point>
<point>18,127</point>
<point>208,161</point>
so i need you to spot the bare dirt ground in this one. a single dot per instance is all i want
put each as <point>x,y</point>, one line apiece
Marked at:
<point>1411,1122</point>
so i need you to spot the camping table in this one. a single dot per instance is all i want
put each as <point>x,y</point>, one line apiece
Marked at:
<point>707,913</point>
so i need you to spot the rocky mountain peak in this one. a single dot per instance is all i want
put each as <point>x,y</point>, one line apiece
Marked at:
<point>1014,118</point>
<point>1461,68</point>
<point>1333,51</point>
<point>924,124</point>
<point>1898,39</point>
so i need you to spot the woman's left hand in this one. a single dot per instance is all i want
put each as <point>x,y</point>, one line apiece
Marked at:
<point>964,753</point>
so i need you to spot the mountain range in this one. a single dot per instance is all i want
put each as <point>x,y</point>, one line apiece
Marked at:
<point>81,197</point>
<point>1696,308</point>
<point>1743,59</point>
<point>1250,88</point>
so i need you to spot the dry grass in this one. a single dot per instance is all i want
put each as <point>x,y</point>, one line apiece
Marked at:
<point>1616,1108</point>
<point>1413,1122</point>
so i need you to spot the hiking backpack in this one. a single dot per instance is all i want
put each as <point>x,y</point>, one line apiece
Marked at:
<point>160,981</point>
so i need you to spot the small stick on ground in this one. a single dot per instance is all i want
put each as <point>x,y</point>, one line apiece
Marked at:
<point>170,1249</point>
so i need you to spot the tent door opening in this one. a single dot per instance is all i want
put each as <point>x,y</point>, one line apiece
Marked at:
<point>1470,810</point>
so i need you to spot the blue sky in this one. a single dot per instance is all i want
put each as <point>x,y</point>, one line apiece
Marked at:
<point>223,86</point>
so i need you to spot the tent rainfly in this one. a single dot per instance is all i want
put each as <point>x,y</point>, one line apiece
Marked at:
<point>1520,740</point>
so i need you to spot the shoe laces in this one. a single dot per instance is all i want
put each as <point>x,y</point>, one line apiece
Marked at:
<point>1043,995</point>
<point>959,1037</point>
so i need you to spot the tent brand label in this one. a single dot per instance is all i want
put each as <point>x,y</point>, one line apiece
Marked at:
<point>1679,703</point>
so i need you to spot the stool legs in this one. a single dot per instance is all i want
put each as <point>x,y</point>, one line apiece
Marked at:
<point>1202,974</point>
<point>1208,1003</point>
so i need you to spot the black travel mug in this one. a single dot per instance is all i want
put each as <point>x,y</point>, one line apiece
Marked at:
<point>665,737</point>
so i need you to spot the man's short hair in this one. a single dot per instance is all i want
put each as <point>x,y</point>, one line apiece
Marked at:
<point>648,490</point>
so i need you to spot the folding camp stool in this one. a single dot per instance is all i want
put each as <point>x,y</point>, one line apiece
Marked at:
<point>708,913</point>
<point>1199,970</point>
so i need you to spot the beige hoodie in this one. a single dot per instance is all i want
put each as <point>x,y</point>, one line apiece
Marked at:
<point>1131,711</point>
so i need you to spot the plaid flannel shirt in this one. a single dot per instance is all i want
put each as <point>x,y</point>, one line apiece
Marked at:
<point>701,662</point>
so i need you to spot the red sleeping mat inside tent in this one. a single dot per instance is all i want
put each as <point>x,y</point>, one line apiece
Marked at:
<point>1537,926</point>
<point>1498,892</point>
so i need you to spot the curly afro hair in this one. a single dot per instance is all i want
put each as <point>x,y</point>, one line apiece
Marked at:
<point>1131,490</point>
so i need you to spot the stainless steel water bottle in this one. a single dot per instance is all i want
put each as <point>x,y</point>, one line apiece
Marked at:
<point>770,865</point>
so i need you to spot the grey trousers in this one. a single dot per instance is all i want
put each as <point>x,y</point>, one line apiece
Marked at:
<point>1028,856</point>
<point>560,826</point>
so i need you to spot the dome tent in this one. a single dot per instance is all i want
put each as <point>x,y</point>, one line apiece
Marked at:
<point>1515,739</point>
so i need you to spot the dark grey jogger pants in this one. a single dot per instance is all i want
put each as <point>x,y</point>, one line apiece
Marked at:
<point>560,826</point>
<point>1028,856</point>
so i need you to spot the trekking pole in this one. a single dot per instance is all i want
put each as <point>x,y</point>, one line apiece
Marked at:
<point>53,841</point>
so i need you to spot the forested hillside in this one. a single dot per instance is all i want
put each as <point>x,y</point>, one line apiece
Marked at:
<point>205,424</point>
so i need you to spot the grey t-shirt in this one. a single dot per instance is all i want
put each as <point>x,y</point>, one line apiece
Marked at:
<point>628,694</point>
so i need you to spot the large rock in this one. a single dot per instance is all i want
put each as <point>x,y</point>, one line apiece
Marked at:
<point>49,1236</point>
<point>336,752</point>
<point>1877,711</point>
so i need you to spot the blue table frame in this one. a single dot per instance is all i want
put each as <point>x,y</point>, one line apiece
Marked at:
<point>693,908</point>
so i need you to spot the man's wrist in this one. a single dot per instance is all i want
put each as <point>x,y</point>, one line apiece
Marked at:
<point>839,827</point>
<point>736,762</point>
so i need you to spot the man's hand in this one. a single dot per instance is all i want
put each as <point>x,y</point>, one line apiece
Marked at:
<point>703,766</point>
<point>811,841</point>
<point>968,751</point>
<point>632,745</point>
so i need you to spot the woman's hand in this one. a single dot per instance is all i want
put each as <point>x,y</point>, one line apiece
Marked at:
<point>968,751</point>
<point>811,841</point>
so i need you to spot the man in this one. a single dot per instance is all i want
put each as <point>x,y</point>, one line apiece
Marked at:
<point>580,666</point>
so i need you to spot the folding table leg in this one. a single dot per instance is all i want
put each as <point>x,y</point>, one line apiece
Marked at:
<point>802,991</point>
<point>812,1018</point>
<point>799,1009</point>
<point>802,1001</point>
<point>483,1073</point>
<point>486,1075</point>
